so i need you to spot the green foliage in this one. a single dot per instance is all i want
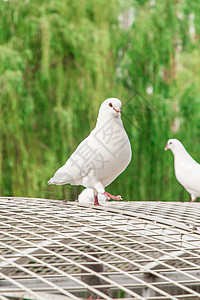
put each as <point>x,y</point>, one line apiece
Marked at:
<point>61,59</point>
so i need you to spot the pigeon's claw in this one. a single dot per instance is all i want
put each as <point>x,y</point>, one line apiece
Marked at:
<point>109,196</point>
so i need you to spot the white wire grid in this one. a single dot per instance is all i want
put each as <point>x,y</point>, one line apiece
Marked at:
<point>51,249</point>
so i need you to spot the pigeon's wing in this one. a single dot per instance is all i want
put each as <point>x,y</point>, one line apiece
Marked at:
<point>189,176</point>
<point>77,166</point>
<point>193,181</point>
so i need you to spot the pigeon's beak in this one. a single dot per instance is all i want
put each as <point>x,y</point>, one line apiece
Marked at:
<point>117,111</point>
<point>166,148</point>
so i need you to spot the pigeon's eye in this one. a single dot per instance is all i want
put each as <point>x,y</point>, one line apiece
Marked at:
<point>110,104</point>
<point>170,143</point>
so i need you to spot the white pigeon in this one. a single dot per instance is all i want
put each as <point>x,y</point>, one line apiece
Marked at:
<point>102,156</point>
<point>87,197</point>
<point>187,170</point>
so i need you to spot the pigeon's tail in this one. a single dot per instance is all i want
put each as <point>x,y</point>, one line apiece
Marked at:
<point>58,179</point>
<point>50,181</point>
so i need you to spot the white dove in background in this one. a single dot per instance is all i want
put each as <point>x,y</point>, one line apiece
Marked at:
<point>102,156</point>
<point>87,197</point>
<point>187,170</point>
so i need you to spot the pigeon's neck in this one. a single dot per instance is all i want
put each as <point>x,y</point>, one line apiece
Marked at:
<point>181,154</point>
<point>105,119</point>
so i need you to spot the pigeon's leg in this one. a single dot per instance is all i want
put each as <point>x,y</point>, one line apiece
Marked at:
<point>98,189</point>
<point>193,199</point>
<point>108,196</point>
<point>96,202</point>
<point>90,298</point>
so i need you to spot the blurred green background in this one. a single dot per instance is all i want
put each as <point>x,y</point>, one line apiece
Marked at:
<point>60,59</point>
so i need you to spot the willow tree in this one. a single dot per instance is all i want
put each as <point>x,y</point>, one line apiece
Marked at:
<point>56,67</point>
<point>160,70</point>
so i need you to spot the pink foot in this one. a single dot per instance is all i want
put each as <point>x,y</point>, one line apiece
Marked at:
<point>108,196</point>
<point>193,200</point>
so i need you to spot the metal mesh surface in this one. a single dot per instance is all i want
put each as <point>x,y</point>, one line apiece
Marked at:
<point>51,249</point>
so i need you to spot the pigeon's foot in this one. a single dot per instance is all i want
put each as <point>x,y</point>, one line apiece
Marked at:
<point>193,200</point>
<point>108,196</point>
<point>90,298</point>
<point>96,202</point>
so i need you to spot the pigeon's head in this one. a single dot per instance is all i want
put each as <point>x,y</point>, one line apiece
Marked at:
<point>111,107</point>
<point>173,145</point>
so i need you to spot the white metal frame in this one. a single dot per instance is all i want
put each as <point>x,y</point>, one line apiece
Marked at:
<point>146,250</point>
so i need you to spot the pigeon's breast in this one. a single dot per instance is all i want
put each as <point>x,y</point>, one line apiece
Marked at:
<point>188,175</point>
<point>114,155</point>
<point>113,170</point>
